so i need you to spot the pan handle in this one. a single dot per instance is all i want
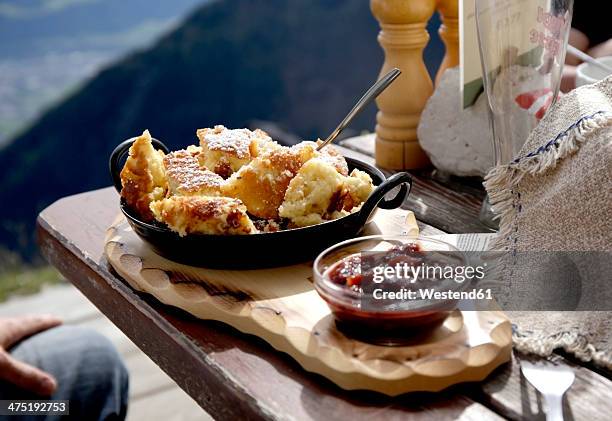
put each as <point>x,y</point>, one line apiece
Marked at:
<point>116,157</point>
<point>377,198</point>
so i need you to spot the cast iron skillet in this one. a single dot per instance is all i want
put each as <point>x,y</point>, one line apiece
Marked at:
<point>263,249</point>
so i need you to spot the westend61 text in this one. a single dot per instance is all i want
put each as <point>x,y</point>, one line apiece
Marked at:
<point>432,294</point>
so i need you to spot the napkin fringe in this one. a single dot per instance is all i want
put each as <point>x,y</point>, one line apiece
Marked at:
<point>573,343</point>
<point>500,184</point>
<point>501,181</point>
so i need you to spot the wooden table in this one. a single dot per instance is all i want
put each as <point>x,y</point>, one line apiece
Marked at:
<point>236,376</point>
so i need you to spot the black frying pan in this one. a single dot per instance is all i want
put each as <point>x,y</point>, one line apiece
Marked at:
<point>263,249</point>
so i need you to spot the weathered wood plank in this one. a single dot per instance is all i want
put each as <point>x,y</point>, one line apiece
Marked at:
<point>511,395</point>
<point>172,352</point>
<point>236,375</point>
<point>364,143</point>
<point>147,379</point>
<point>227,373</point>
<point>452,206</point>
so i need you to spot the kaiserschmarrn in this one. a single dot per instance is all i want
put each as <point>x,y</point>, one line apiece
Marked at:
<point>203,215</point>
<point>143,177</point>
<point>187,178</point>
<point>319,193</point>
<point>261,185</point>
<point>225,151</point>
<point>240,182</point>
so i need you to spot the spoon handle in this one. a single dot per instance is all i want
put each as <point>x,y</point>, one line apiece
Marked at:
<point>555,407</point>
<point>370,94</point>
<point>585,57</point>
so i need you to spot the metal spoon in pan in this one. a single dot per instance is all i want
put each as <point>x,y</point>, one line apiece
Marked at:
<point>370,94</point>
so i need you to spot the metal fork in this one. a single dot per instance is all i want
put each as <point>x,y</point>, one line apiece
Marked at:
<point>551,380</point>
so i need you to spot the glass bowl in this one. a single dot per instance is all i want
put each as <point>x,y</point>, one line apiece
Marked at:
<point>344,278</point>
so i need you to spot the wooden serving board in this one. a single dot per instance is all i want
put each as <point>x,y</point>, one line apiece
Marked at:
<point>281,306</point>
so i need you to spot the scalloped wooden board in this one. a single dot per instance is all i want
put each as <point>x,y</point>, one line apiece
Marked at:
<point>281,306</point>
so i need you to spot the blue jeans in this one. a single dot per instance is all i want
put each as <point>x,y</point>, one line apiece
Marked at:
<point>88,370</point>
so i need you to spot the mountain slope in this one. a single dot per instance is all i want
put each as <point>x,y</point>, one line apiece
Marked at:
<point>47,47</point>
<point>301,63</point>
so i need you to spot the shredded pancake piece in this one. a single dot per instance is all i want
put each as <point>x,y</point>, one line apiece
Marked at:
<point>187,178</point>
<point>261,185</point>
<point>225,151</point>
<point>319,193</point>
<point>143,178</point>
<point>203,215</point>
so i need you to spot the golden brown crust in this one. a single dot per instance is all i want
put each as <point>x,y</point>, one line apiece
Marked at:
<point>225,151</point>
<point>142,177</point>
<point>319,193</point>
<point>187,178</point>
<point>262,184</point>
<point>203,215</point>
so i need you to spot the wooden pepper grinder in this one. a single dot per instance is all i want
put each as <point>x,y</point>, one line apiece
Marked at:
<point>449,32</point>
<point>403,37</point>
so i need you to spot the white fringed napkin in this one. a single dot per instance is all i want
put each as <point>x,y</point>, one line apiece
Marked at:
<point>557,196</point>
